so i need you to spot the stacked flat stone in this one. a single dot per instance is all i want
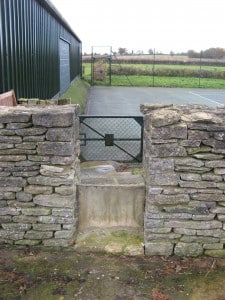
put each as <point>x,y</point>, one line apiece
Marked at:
<point>39,168</point>
<point>184,151</point>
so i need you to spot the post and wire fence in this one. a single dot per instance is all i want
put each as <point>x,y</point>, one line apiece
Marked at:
<point>153,69</point>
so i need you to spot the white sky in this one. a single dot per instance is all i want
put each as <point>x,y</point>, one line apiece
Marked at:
<point>163,25</point>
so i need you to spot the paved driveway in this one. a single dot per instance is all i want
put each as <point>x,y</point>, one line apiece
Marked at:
<point>127,100</point>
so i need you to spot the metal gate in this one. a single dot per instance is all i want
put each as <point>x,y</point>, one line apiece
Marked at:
<point>116,138</point>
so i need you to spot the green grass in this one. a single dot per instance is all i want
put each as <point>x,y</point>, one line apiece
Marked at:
<point>77,93</point>
<point>161,81</point>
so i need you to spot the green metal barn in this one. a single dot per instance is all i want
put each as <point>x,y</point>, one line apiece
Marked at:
<point>40,55</point>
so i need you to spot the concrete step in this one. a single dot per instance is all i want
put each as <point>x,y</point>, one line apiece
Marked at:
<point>111,198</point>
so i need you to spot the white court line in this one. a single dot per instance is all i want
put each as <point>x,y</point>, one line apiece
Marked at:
<point>213,101</point>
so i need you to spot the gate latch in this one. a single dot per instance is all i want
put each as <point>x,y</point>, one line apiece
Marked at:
<point>109,139</point>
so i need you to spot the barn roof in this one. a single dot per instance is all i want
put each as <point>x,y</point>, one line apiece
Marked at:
<point>47,4</point>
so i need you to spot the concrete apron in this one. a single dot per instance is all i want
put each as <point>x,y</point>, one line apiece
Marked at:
<point>111,208</point>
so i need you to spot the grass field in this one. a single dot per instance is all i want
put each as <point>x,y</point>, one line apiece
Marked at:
<point>163,81</point>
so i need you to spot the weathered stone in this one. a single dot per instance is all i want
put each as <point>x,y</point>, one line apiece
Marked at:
<point>198,135</point>
<point>64,234</point>
<point>26,145</point>
<point>198,150</point>
<point>161,118</point>
<point>7,196</point>
<point>9,211</point>
<point>54,117</point>
<point>159,248</point>
<point>14,126</point>
<point>178,131</point>
<point>28,242</point>
<point>10,158</point>
<point>214,246</point>
<point>189,162</point>
<point>63,212</point>
<point>211,232</point>
<point>36,211</point>
<point>24,197</point>
<point>12,181</point>
<point>208,217</point>
<point>56,148</point>
<point>215,164</point>
<point>6,146</point>
<point>34,138</point>
<point>16,226</point>
<point>51,181</point>
<point>60,134</point>
<point>38,235</point>
<point>190,177</point>
<point>159,165</point>
<point>208,197</point>
<point>188,249</point>
<point>199,239</point>
<point>47,227</point>
<point>208,156</point>
<point>211,177</point>
<point>193,224</point>
<point>39,158</point>
<point>38,189</point>
<point>25,219</point>
<point>185,231</point>
<point>54,200</point>
<point>63,160</point>
<point>159,230</point>
<point>15,116</point>
<point>170,216</point>
<point>55,171</point>
<point>170,199</point>
<point>65,190</point>
<point>200,117</point>
<point>167,178</point>
<point>219,171</point>
<point>58,242</point>
<point>168,150</point>
<point>11,234</point>
<point>215,253</point>
<point>197,184</point>
<point>55,220</point>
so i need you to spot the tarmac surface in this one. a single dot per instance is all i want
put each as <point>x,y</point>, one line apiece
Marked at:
<point>105,100</point>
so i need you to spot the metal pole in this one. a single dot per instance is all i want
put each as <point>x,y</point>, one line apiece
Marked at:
<point>200,68</point>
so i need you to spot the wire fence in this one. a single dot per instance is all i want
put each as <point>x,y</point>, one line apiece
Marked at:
<point>153,70</point>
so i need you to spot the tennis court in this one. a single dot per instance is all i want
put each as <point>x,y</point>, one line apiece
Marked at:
<point>126,100</point>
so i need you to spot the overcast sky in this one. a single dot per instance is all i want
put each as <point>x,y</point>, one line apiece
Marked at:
<point>163,25</point>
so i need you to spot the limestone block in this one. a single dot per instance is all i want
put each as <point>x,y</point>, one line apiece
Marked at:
<point>31,131</point>
<point>178,131</point>
<point>167,178</point>
<point>58,242</point>
<point>12,181</point>
<point>170,199</point>
<point>38,235</point>
<point>193,224</point>
<point>197,184</point>
<point>47,227</point>
<point>160,118</point>
<point>7,195</point>
<point>16,226</point>
<point>50,117</point>
<point>55,200</point>
<point>9,211</point>
<point>56,220</point>
<point>38,189</point>
<point>27,242</point>
<point>161,165</point>
<point>56,148</point>
<point>36,211</point>
<point>15,116</point>
<point>24,197</point>
<point>199,239</point>
<point>11,234</point>
<point>60,134</point>
<point>10,158</point>
<point>159,248</point>
<point>168,150</point>
<point>214,246</point>
<point>25,219</point>
<point>215,197</point>
<point>188,249</point>
<point>50,181</point>
<point>64,234</point>
<point>63,212</point>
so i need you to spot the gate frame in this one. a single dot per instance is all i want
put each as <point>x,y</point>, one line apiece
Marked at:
<point>138,119</point>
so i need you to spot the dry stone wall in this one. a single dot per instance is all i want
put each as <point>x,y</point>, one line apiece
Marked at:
<point>184,159</point>
<point>39,168</point>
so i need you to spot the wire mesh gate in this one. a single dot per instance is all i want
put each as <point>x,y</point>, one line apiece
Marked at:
<point>116,138</point>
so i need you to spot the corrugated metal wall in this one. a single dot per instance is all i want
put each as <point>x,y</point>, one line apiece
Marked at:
<point>29,49</point>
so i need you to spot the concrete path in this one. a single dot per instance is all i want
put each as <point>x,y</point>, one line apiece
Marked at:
<point>126,100</point>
